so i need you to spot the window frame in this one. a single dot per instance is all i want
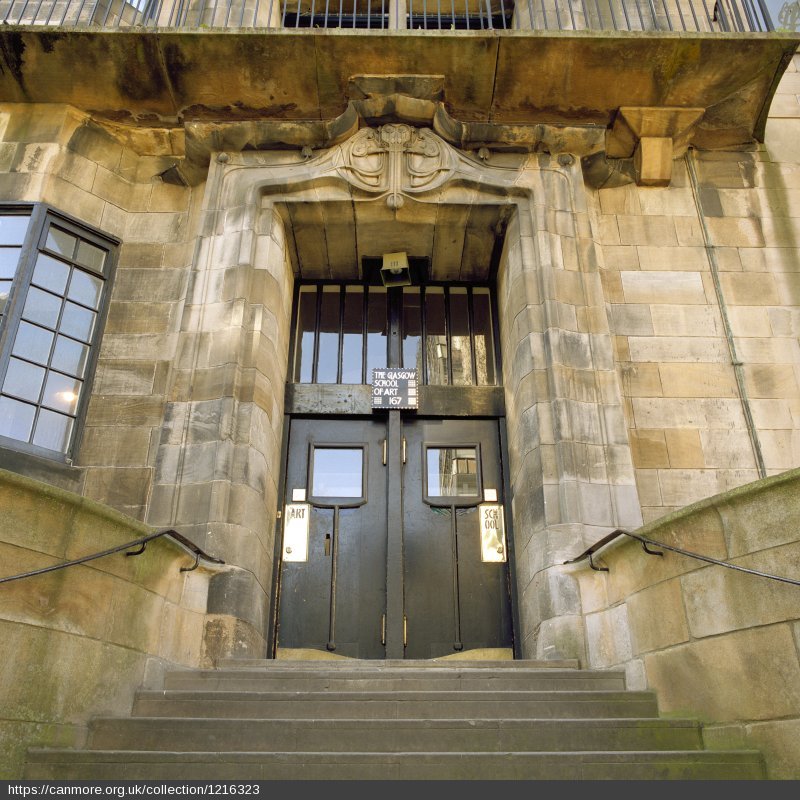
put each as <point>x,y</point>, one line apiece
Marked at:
<point>315,289</point>
<point>42,217</point>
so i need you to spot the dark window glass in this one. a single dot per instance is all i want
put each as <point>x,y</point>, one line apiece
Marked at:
<point>452,471</point>
<point>353,334</point>
<point>328,356</point>
<point>484,337</point>
<point>376,330</point>
<point>337,472</point>
<point>342,333</point>
<point>436,336</point>
<point>412,329</point>
<point>304,338</point>
<point>460,344</point>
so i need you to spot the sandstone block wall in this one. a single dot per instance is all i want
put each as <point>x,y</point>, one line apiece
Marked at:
<point>684,409</point>
<point>79,641</point>
<point>716,644</point>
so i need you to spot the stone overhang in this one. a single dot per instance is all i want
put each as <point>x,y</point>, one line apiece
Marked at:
<point>514,90</point>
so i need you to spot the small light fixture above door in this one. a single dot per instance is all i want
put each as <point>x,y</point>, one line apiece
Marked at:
<point>395,270</point>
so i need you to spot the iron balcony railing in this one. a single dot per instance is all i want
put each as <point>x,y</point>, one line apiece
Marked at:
<point>709,16</point>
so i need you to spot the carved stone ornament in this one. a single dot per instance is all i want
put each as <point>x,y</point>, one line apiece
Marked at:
<point>395,160</point>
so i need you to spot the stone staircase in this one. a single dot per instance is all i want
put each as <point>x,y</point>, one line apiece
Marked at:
<point>282,720</point>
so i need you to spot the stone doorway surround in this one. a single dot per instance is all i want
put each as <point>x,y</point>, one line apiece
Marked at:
<point>269,216</point>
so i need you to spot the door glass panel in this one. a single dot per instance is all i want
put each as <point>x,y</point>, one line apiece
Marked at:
<point>352,334</point>
<point>436,336</point>
<point>452,471</point>
<point>306,322</point>
<point>484,338</point>
<point>328,357</point>
<point>376,330</point>
<point>337,472</point>
<point>460,346</point>
<point>412,329</point>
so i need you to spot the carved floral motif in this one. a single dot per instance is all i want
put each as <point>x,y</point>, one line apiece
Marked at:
<point>396,160</point>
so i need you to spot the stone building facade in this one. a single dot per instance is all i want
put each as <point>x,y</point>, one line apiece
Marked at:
<point>630,201</point>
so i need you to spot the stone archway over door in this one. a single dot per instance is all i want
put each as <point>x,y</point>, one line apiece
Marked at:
<point>570,470</point>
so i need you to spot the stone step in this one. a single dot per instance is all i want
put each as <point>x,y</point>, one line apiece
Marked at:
<point>601,765</point>
<point>392,735</point>
<point>349,679</point>
<point>382,665</point>
<point>397,704</point>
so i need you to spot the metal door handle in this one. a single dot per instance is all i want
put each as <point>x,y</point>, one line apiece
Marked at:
<point>383,629</point>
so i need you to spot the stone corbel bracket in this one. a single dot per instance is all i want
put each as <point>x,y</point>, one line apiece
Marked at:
<point>654,137</point>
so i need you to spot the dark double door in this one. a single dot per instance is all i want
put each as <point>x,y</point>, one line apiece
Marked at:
<point>393,553</point>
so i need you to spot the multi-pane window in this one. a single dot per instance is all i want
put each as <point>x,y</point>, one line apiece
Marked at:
<point>447,333</point>
<point>54,276</point>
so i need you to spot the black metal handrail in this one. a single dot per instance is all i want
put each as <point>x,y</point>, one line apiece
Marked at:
<point>140,543</point>
<point>646,543</point>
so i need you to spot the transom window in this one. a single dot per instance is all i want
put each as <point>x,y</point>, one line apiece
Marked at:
<point>341,333</point>
<point>53,281</point>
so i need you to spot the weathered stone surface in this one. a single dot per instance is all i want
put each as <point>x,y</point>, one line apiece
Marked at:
<point>657,617</point>
<point>81,637</point>
<point>756,676</point>
<point>608,637</point>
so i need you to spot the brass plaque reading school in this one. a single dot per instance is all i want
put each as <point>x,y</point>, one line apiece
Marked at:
<point>393,387</point>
